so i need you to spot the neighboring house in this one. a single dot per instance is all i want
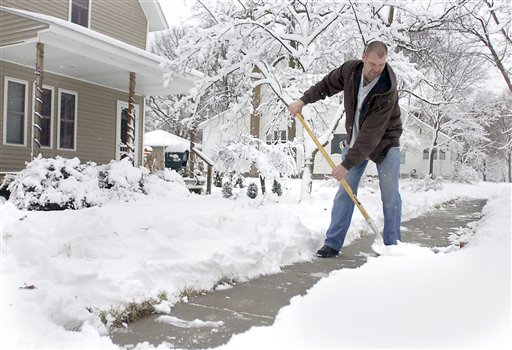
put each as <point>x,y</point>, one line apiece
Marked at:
<point>416,143</point>
<point>414,155</point>
<point>92,56</point>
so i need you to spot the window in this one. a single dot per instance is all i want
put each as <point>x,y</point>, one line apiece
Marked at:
<point>337,143</point>
<point>15,109</point>
<point>402,157</point>
<point>46,118</point>
<point>434,154</point>
<point>67,119</point>
<point>80,12</point>
<point>124,126</point>
<point>426,153</point>
<point>442,155</point>
<point>277,137</point>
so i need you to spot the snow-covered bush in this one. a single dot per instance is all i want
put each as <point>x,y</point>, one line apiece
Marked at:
<point>271,161</point>
<point>465,173</point>
<point>4,192</point>
<point>163,182</point>
<point>227,189</point>
<point>422,185</point>
<point>123,177</point>
<point>60,183</point>
<point>217,179</point>
<point>55,184</point>
<point>252,190</point>
<point>277,188</point>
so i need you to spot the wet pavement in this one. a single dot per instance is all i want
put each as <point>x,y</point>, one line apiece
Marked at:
<point>256,303</point>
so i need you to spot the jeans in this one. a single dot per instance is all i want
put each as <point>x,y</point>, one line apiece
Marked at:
<point>343,206</point>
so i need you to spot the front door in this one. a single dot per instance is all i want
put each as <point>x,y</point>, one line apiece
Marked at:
<point>122,127</point>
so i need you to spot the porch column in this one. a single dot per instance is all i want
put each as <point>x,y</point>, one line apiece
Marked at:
<point>130,131</point>
<point>38,103</point>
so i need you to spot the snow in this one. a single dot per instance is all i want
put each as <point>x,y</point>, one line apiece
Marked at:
<point>188,324</point>
<point>172,142</point>
<point>96,258</point>
<point>86,31</point>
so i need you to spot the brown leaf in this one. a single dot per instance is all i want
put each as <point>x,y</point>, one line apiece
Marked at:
<point>28,286</point>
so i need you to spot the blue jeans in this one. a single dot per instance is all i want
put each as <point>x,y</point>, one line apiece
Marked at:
<point>343,206</point>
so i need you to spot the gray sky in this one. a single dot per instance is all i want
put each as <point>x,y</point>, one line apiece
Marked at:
<point>174,9</point>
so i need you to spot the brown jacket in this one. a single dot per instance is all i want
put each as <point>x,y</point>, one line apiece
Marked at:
<point>380,126</point>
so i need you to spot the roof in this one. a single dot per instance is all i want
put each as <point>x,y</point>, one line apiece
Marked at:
<point>95,57</point>
<point>161,138</point>
<point>154,14</point>
<point>412,119</point>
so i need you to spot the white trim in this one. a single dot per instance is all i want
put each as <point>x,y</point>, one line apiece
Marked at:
<point>72,77</point>
<point>70,92</point>
<point>143,128</point>
<point>52,112</point>
<point>6,84</point>
<point>96,48</point>
<point>119,108</point>
<point>90,14</point>
<point>70,8</point>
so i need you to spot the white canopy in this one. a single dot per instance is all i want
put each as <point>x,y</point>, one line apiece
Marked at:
<point>74,51</point>
<point>171,142</point>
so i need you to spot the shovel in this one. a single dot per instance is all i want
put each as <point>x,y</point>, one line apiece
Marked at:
<point>344,182</point>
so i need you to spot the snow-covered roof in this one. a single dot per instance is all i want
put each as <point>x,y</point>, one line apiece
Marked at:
<point>171,142</point>
<point>95,57</point>
<point>412,119</point>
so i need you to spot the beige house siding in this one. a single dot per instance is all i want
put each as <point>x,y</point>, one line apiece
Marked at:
<point>123,20</point>
<point>55,8</point>
<point>96,120</point>
<point>16,29</point>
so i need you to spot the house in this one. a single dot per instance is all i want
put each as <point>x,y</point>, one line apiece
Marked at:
<point>73,73</point>
<point>416,141</point>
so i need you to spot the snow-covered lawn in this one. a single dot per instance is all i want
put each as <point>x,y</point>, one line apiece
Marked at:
<point>96,258</point>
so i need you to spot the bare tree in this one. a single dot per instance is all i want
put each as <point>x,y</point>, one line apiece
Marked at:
<point>500,133</point>
<point>488,24</point>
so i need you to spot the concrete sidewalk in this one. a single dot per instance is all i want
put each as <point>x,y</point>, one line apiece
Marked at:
<point>257,302</point>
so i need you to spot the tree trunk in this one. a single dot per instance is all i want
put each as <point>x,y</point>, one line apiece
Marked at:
<point>191,154</point>
<point>263,186</point>
<point>509,166</point>
<point>431,162</point>
<point>307,181</point>
<point>255,118</point>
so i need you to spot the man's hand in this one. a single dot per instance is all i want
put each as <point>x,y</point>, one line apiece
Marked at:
<point>339,172</point>
<point>295,107</point>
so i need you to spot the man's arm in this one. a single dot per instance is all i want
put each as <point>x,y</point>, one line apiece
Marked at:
<point>331,84</point>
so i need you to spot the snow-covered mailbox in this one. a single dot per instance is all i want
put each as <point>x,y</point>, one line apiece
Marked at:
<point>168,150</point>
<point>176,157</point>
<point>171,151</point>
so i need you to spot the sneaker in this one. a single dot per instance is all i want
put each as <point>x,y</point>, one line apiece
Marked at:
<point>327,252</point>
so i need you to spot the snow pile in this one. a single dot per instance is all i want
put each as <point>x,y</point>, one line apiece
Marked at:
<point>409,297</point>
<point>61,269</point>
<point>60,183</point>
